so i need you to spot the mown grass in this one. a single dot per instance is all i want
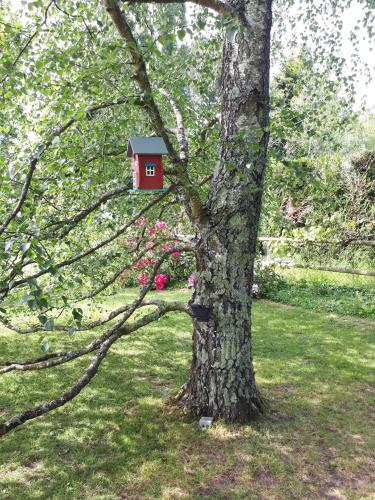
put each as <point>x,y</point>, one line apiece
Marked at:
<point>121,439</point>
<point>326,291</point>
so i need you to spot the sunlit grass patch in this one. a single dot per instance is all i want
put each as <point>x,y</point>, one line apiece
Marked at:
<point>121,437</point>
<point>334,293</point>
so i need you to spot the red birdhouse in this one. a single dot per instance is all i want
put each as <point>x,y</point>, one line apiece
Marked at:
<point>146,155</point>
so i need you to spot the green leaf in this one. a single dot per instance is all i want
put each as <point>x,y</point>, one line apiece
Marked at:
<point>44,345</point>
<point>81,115</point>
<point>8,244</point>
<point>42,318</point>
<point>181,34</point>
<point>77,315</point>
<point>43,302</point>
<point>33,305</point>
<point>50,324</point>
<point>25,246</point>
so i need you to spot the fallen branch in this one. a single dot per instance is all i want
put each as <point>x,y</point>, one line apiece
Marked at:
<point>352,241</point>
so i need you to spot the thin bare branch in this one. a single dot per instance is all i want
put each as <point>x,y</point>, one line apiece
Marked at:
<point>215,5</point>
<point>180,132</point>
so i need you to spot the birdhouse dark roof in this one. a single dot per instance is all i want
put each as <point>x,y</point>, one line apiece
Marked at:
<point>147,146</point>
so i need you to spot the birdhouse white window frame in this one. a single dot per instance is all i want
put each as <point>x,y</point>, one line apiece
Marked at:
<point>150,169</point>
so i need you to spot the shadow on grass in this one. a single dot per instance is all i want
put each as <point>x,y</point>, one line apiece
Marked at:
<point>119,438</point>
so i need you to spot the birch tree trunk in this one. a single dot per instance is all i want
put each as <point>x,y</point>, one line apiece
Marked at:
<point>222,382</point>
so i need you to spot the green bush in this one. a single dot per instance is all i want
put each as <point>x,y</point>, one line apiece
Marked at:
<point>267,280</point>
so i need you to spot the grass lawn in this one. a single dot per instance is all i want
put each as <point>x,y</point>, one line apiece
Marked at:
<point>120,439</point>
<point>326,291</point>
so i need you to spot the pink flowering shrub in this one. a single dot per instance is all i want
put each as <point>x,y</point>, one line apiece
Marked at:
<point>154,239</point>
<point>160,224</point>
<point>141,222</point>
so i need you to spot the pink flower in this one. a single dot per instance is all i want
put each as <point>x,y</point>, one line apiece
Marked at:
<point>138,265</point>
<point>146,261</point>
<point>191,280</point>
<point>167,248</point>
<point>160,281</point>
<point>151,230</point>
<point>142,278</point>
<point>176,255</point>
<point>141,222</point>
<point>127,272</point>
<point>149,245</point>
<point>160,224</point>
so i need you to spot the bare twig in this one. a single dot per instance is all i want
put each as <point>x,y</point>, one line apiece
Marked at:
<point>215,5</point>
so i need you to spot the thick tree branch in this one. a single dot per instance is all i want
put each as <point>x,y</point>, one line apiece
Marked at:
<point>141,76</point>
<point>115,333</point>
<point>100,322</point>
<point>30,173</point>
<point>113,314</point>
<point>70,394</point>
<point>59,358</point>
<point>85,212</point>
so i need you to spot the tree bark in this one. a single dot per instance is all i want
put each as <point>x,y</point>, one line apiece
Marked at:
<point>222,383</point>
